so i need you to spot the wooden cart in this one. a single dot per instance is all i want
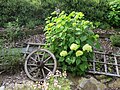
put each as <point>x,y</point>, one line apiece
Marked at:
<point>38,62</point>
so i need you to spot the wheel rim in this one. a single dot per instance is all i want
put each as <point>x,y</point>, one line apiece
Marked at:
<point>39,63</point>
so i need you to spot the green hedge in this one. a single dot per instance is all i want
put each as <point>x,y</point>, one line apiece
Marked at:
<point>33,12</point>
<point>28,12</point>
<point>94,10</point>
<point>114,13</point>
<point>115,40</point>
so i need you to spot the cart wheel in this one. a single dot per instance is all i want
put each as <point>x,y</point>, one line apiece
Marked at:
<point>39,63</point>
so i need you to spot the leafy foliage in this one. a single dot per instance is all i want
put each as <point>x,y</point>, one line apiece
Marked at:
<point>13,32</point>
<point>71,40</point>
<point>33,12</point>
<point>28,12</point>
<point>114,13</point>
<point>94,10</point>
<point>115,40</point>
<point>9,58</point>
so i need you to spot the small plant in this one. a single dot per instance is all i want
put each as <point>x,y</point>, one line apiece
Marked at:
<point>57,81</point>
<point>115,40</point>
<point>71,40</point>
<point>13,31</point>
<point>9,58</point>
<point>114,13</point>
<point>53,82</point>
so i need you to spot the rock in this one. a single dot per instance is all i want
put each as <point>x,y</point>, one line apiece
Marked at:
<point>99,77</point>
<point>103,78</point>
<point>90,84</point>
<point>115,84</point>
<point>2,88</point>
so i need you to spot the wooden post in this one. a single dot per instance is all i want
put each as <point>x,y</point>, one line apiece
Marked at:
<point>116,65</point>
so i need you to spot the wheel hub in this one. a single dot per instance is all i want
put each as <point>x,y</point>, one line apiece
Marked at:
<point>40,64</point>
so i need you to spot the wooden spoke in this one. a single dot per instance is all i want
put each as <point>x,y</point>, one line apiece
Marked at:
<point>47,69</point>
<point>37,74</point>
<point>43,56</point>
<point>32,65</point>
<point>38,57</point>
<point>47,59</point>
<point>43,72</point>
<point>51,67</point>
<point>33,69</point>
<point>33,59</point>
<point>49,64</point>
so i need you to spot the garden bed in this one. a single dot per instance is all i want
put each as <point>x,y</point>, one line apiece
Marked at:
<point>105,44</point>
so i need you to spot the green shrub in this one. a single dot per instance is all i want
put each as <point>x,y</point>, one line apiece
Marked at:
<point>114,13</point>
<point>115,40</point>
<point>23,10</point>
<point>28,12</point>
<point>94,10</point>
<point>9,58</point>
<point>13,32</point>
<point>71,40</point>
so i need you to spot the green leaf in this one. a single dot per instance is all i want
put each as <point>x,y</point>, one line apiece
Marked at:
<point>65,47</point>
<point>82,67</point>
<point>64,67</point>
<point>97,45</point>
<point>89,41</point>
<point>78,61</point>
<point>73,60</point>
<point>70,52</point>
<point>84,58</point>
<point>78,33</point>
<point>78,29</point>
<point>83,38</point>
<point>61,59</point>
<point>68,60</point>
<point>72,39</point>
<point>77,41</point>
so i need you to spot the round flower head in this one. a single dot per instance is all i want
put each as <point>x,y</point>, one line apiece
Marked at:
<point>74,24</point>
<point>63,53</point>
<point>97,36</point>
<point>74,46</point>
<point>87,48</point>
<point>79,53</point>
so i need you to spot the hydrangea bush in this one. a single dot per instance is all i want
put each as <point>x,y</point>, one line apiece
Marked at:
<point>71,39</point>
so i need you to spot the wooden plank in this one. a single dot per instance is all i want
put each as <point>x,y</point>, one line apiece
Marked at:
<point>26,51</point>
<point>38,44</point>
<point>117,70</point>
<point>97,52</point>
<point>109,74</point>
<point>105,65</point>
<point>94,63</point>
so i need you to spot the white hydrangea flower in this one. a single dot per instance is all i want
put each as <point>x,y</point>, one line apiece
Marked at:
<point>87,48</point>
<point>63,53</point>
<point>74,46</point>
<point>79,53</point>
